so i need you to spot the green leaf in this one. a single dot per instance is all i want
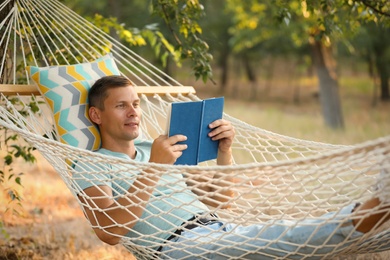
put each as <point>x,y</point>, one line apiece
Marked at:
<point>8,159</point>
<point>164,58</point>
<point>12,195</point>
<point>18,180</point>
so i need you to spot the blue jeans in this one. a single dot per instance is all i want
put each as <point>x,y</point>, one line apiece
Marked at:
<point>312,237</point>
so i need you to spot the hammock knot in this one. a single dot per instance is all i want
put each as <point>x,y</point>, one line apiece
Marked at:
<point>8,104</point>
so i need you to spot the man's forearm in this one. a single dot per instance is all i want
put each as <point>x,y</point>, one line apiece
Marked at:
<point>125,211</point>
<point>139,195</point>
<point>225,158</point>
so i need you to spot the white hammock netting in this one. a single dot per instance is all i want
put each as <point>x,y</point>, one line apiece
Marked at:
<point>278,180</point>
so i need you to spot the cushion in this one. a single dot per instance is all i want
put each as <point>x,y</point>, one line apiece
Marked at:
<point>65,89</point>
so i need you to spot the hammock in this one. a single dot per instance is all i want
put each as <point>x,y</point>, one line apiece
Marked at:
<point>276,177</point>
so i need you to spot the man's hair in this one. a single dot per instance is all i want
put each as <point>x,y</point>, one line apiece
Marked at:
<point>98,92</point>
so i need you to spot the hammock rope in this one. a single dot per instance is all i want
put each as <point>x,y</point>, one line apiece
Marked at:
<point>278,180</point>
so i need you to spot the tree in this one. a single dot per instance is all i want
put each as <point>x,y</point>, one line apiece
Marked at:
<point>217,36</point>
<point>381,50</point>
<point>176,20</point>
<point>379,37</point>
<point>267,19</point>
<point>181,17</point>
<point>317,23</point>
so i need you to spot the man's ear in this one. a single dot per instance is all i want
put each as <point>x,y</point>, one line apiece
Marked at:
<point>94,115</point>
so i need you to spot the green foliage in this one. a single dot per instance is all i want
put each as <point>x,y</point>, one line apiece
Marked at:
<point>13,149</point>
<point>181,17</point>
<point>135,37</point>
<point>325,20</point>
<point>252,25</point>
<point>372,10</point>
<point>170,27</point>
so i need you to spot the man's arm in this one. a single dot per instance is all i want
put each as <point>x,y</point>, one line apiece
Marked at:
<point>203,186</point>
<point>107,213</point>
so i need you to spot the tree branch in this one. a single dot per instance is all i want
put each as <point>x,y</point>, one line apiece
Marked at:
<point>168,22</point>
<point>371,6</point>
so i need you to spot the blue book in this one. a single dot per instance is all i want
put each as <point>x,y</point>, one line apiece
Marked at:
<point>192,119</point>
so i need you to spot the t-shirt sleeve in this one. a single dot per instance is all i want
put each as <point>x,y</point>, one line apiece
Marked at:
<point>86,175</point>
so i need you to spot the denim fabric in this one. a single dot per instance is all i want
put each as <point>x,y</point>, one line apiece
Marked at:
<point>280,238</point>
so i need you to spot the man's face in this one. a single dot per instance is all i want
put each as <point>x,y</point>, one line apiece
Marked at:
<point>119,121</point>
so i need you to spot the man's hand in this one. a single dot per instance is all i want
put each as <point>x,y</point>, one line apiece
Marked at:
<point>224,132</point>
<point>166,149</point>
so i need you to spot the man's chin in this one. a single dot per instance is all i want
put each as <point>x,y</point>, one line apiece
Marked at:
<point>134,135</point>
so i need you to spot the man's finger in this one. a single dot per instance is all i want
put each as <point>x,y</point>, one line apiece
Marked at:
<point>179,147</point>
<point>177,138</point>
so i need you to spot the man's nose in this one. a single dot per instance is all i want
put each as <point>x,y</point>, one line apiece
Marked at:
<point>131,111</point>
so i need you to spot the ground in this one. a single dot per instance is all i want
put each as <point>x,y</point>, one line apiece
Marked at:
<point>50,225</point>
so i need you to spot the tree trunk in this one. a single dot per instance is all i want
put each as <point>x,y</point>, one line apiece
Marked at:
<point>223,62</point>
<point>114,7</point>
<point>236,92</point>
<point>115,11</point>
<point>380,49</point>
<point>373,75</point>
<point>383,71</point>
<point>328,84</point>
<point>251,75</point>
<point>379,56</point>
<point>4,52</point>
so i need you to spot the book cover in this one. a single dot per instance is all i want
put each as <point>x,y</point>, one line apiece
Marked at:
<point>192,119</point>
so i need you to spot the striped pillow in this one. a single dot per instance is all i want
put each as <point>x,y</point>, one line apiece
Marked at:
<point>65,89</point>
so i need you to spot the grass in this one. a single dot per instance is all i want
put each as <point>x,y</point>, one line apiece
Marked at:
<point>363,121</point>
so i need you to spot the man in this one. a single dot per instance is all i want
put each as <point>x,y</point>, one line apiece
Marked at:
<point>117,209</point>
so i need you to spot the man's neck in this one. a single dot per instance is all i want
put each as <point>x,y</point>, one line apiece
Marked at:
<point>126,148</point>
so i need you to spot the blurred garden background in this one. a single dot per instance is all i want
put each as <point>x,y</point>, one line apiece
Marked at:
<point>315,65</point>
<point>315,70</point>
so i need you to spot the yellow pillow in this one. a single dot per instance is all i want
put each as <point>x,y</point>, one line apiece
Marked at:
<point>65,89</point>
